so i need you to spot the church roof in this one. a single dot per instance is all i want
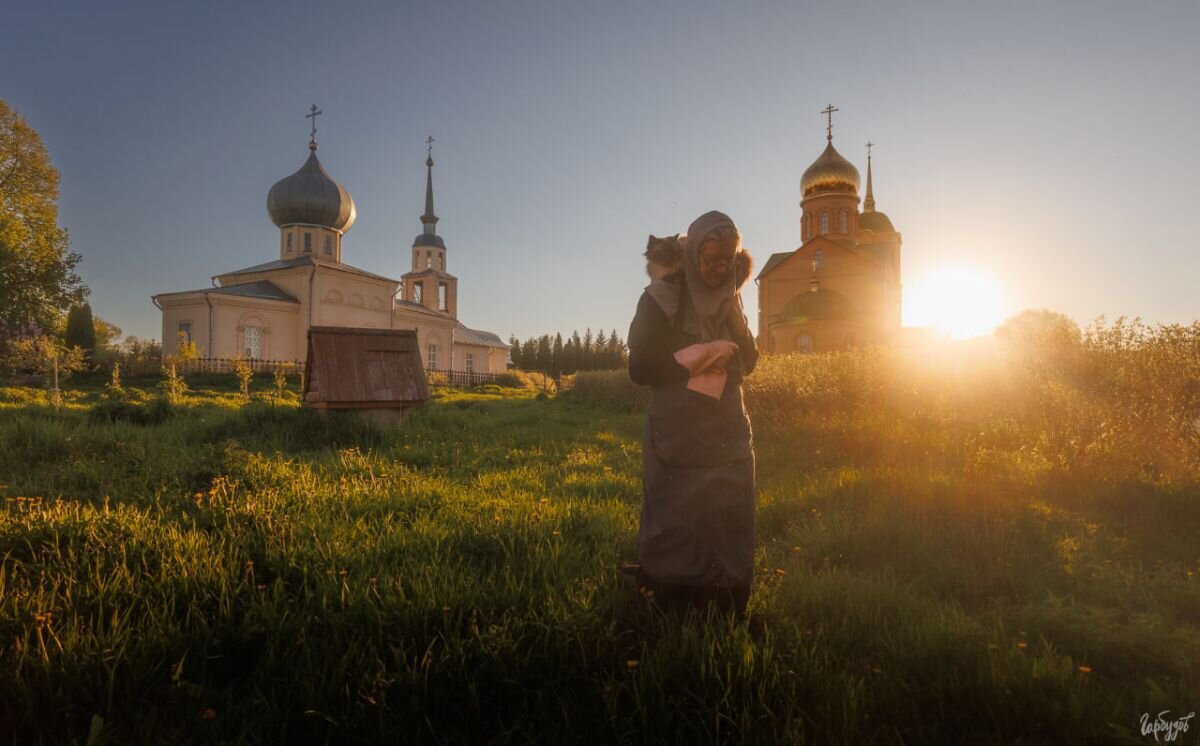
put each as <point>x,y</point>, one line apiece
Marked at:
<point>261,289</point>
<point>413,306</point>
<point>429,239</point>
<point>303,261</point>
<point>775,261</point>
<point>465,335</point>
<point>430,271</point>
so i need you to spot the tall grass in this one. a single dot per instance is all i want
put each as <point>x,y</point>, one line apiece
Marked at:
<point>969,544</point>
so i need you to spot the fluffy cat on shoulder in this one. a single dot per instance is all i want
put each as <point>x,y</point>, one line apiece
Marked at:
<point>664,256</point>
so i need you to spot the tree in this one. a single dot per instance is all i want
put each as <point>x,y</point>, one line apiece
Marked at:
<point>556,356</point>
<point>37,271</point>
<point>108,334</point>
<point>515,344</point>
<point>529,355</point>
<point>81,329</point>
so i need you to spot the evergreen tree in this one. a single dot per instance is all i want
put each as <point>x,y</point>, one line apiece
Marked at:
<point>529,355</point>
<point>515,344</point>
<point>81,329</point>
<point>587,351</point>
<point>543,353</point>
<point>556,356</point>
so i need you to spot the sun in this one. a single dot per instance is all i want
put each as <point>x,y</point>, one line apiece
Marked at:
<point>958,300</point>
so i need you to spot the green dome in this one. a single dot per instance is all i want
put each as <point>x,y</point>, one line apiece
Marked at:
<point>822,305</point>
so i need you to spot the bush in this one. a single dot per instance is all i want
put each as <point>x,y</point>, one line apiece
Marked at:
<point>611,389</point>
<point>509,380</point>
<point>133,406</point>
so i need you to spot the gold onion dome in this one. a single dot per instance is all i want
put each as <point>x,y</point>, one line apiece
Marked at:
<point>311,197</point>
<point>829,173</point>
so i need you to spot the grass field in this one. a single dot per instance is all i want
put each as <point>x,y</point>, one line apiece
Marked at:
<point>977,548</point>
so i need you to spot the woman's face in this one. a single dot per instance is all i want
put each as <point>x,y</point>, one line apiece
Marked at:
<point>716,260</point>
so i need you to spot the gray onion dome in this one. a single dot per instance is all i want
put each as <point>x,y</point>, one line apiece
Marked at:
<point>311,197</point>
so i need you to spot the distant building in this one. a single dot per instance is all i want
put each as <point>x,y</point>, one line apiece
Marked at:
<point>841,287</point>
<point>264,311</point>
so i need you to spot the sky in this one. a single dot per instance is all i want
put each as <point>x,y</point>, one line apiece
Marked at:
<point>1048,147</point>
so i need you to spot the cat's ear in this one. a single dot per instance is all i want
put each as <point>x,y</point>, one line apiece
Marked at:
<point>652,240</point>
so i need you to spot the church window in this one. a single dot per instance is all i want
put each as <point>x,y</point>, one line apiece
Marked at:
<point>253,339</point>
<point>804,343</point>
<point>824,223</point>
<point>432,356</point>
<point>416,294</point>
<point>441,261</point>
<point>470,362</point>
<point>329,245</point>
<point>307,243</point>
<point>443,291</point>
<point>185,328</point>
<point>814,285</point>
<point>845,221</point>
<point>818,260</point>
<point>428,260</point>
<point>289,243</point>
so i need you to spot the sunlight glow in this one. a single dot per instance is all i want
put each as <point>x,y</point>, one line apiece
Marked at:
<point>961,301</point>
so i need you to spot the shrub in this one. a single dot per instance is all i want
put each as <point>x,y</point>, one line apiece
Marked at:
<point>611,389</point>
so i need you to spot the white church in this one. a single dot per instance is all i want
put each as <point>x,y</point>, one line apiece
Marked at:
<point>264,311</point>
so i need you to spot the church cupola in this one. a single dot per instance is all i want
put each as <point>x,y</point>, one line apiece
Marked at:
<point>829,192</point>
<point>871,219</point>
<point>311,209</point>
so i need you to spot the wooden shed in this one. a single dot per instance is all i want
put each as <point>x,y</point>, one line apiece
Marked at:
<point>377,372</point>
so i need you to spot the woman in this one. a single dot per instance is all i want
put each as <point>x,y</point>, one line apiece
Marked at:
<point>696,541</point>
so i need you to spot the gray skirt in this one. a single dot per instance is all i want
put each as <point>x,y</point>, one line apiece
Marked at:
<point>698,489</point>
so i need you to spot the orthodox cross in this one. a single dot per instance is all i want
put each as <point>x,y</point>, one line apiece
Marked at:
<point>429,144</point>
<point>828,111</point>
<point>312,114</point>
<point>869,146</point>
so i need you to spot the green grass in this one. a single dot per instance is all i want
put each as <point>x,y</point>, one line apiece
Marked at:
<point>261,573</point>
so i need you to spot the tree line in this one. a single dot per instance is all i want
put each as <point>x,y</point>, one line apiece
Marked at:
<point>556,356</point>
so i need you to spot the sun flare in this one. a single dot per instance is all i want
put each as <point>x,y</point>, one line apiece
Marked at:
<point>960,301</point>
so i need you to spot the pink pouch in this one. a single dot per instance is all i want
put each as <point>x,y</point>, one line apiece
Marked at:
<point>706,362</point>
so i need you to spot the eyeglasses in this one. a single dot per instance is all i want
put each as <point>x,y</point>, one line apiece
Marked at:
<point>715,263</point>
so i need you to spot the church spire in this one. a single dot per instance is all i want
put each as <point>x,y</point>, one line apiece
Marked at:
<point>869,201</point>
<point>429,219</point>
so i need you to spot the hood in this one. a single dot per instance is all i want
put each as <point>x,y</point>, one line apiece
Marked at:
<point>664,256</point>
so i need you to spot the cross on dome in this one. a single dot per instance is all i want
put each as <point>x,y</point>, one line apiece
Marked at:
<point>312,114</point>
<point>828,111</point>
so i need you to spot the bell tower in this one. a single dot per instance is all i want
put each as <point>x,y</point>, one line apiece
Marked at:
<point>428,282</point>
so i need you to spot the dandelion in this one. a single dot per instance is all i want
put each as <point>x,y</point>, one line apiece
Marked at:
<point>780,571</point>
<point>631,664</point>
<point>445,609</point>
<point>343,572</point>
<point>1022,645</point>
<point>261,586</point>
<point>797,550</point>
<point>556,533</point>
<point>1085,669</point>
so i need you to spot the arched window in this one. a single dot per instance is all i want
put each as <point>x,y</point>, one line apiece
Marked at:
<point>289,243</point>
<point>804,343</point>
<point>814,285</point>
<point>253,342</point>
<point>307,243</point>
<point>818,260</point>
<point>824,223</point>
<point>432,356</point>
<point>845,220</point>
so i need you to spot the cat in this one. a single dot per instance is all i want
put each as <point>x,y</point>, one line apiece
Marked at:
<point>664,256</point>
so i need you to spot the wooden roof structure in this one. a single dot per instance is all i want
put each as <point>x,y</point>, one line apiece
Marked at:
<point>351,368</point>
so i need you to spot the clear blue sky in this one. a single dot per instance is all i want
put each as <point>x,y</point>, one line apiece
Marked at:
<point>1051,145</point>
